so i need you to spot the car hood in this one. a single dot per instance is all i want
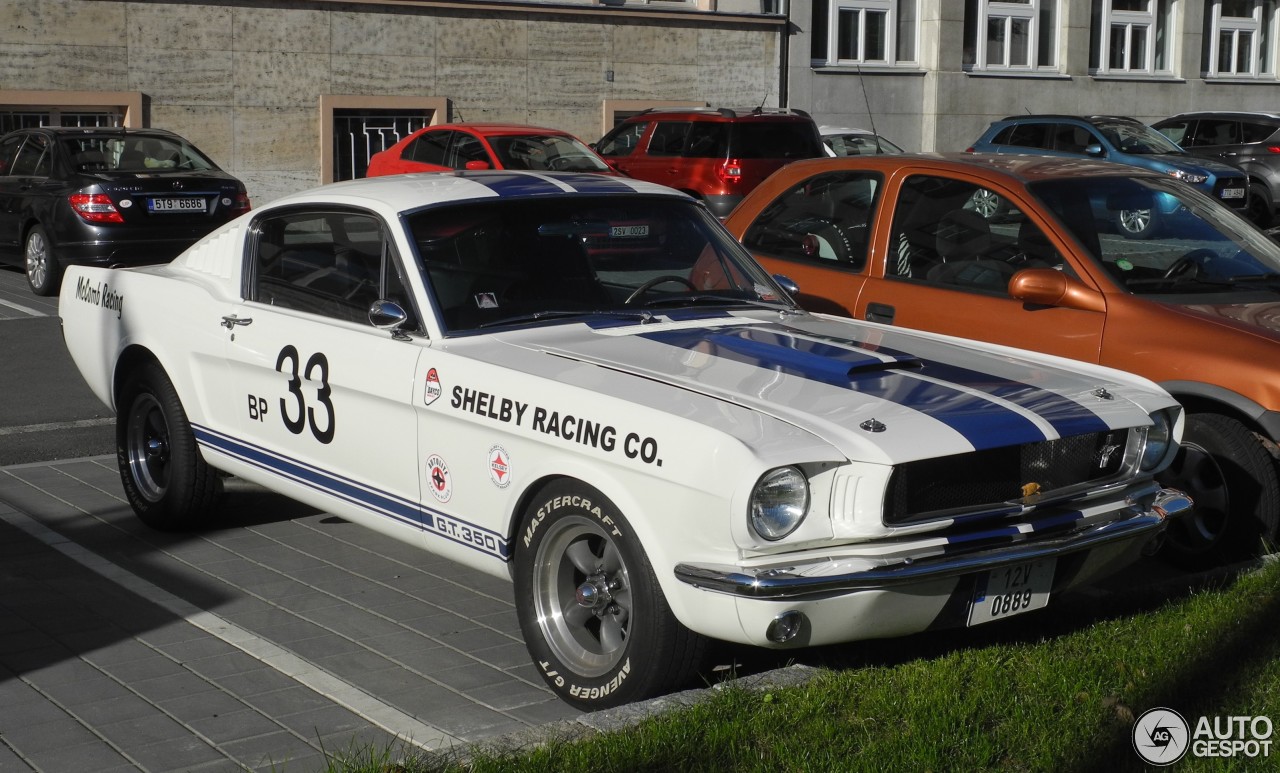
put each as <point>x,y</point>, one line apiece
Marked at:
<point>874,393</point>
<point>1190,163</point>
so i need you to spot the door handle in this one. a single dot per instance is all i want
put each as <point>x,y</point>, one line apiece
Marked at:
<point>879,312</point>
<point>231,320</point>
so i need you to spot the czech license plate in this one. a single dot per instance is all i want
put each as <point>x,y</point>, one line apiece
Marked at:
<point>176,204</point>
<point>628,231</point>
<point>1233,193</point>
<point>1011,591</point>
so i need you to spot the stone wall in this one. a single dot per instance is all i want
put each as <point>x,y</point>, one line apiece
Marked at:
<point>243,80</point>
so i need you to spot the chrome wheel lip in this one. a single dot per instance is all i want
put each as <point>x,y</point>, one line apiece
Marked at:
<point>579,635</point>
<point>37,260</point>
<point>147,447</point>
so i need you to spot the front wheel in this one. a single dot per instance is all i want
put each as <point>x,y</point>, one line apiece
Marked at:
<point>593,617</point>
<point>43,272</point>
<point>1138,223</point>
<point>1232,481</point>
<point>165,478</point>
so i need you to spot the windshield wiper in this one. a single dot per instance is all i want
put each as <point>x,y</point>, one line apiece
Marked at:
<point>537,316</point>
<point>1255,279</point>
<point>706,298</point>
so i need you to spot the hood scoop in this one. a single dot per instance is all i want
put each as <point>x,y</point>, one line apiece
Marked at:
<point>804,355</point>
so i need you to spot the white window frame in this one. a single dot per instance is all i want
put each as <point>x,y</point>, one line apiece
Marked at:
<point>890,10</point>
<point>1008,14</point>
<point>1148,22</point>
<point>1237,27</point>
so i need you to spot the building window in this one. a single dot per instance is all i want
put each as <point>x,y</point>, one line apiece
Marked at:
<point>858,32</point>
<point>1132,37</point>
<point>353,128</point>
<point>1011,35</point>
<point>1238,38</point>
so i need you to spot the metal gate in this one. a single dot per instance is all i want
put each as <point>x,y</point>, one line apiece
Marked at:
<point>358,134</point>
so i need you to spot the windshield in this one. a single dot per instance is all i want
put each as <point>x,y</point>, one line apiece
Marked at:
<point>1157,236</point>
<point>517,261</point>
<point>134,153</point>
<point>546,153</point>
<point>1135,138</point>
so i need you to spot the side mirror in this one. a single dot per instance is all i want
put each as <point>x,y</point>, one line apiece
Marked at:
<point>1049,287</point>
<point>1094,149</point>
<point>389,315</point>
<point>477,166</point>
<point>788,284</point>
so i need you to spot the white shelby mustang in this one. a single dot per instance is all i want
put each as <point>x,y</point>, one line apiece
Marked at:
<point>584,384</point>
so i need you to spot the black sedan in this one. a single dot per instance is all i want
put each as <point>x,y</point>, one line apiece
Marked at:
<point>106,196</point>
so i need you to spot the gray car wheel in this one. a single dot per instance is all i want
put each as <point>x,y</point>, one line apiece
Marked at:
<point>43,271</point>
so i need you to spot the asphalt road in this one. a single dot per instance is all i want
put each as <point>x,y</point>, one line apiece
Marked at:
<point>46,411</point>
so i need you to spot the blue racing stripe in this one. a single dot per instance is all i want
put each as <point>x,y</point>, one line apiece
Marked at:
<point>595,183</point>
<point>514,184</point>
<point>398,508</point>
<point>983,423</point>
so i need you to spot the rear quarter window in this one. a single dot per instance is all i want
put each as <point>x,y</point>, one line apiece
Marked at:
<point>823,220</point>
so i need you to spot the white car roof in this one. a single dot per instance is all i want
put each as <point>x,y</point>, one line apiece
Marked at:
<point>827,130</point>
<point>402,192</point>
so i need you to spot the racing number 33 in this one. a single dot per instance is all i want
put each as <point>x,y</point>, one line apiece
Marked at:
<point>297,418</point>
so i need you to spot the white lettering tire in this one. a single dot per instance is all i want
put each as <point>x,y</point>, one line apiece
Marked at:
<point>593,617</point>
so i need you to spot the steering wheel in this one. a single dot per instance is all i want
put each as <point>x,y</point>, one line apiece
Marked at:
<point>560,163</point>
<point>1190,263</point>
<point>657,280</point>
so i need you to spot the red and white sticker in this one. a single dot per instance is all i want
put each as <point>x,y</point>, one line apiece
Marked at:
<point>434,390</point>
<point>499,466</point>
<point>438,479</point>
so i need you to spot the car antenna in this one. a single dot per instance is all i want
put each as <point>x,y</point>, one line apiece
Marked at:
<point>867,101</point>
<point>765,98</point>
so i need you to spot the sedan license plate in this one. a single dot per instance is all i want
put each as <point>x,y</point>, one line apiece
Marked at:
<point>1011,591</point>
<point>629,231</point>
<point>176,204</point>
<point>1233,193</point>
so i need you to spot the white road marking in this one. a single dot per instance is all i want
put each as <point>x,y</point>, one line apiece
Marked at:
<point>343,693</point>
<point>57,425</point>
<point>24,309</point>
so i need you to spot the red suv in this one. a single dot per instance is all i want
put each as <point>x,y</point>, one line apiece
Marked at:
<point>717,155</point>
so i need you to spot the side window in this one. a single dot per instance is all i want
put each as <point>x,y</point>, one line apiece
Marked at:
<point>823,221</point>
<point>708,139</point>
<point>1025,135</point>
<point>1070,138</point>
<point>1249,131</point>
<point>32,159</point>
<point>466,147</point>
<point>428,148</point>
<point>8,152</point>
<point>622,140</point>
<point>1218,132</point>
<point>668,138</point>
<point>328,263</point>
<point>1180,132</point>
<point>955,234</point>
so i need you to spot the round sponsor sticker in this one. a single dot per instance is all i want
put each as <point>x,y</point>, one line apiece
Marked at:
<point>499,466</point>
<point>1160,736</point>
<point>438,479</point>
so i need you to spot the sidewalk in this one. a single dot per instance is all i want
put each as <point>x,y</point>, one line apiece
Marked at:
<point>260,646</point>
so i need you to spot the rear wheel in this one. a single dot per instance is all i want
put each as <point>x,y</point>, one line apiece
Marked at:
<point>165,478</point>
<point>1138,223</point>
<point>1233,483</point>
<point>43,272</point>
<point>594,619</point>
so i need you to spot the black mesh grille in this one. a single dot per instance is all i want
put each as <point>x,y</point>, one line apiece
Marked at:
<point>984,479</point>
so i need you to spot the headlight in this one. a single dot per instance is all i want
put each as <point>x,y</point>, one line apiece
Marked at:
<point>779,502</point>
<point>1189,177</point>
<point>1159,438</point>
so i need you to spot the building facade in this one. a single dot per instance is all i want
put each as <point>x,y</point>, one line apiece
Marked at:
<point>287,95</point>
<point>932,74</point>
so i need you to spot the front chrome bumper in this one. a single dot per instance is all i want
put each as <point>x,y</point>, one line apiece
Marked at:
<point>825,576</point>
